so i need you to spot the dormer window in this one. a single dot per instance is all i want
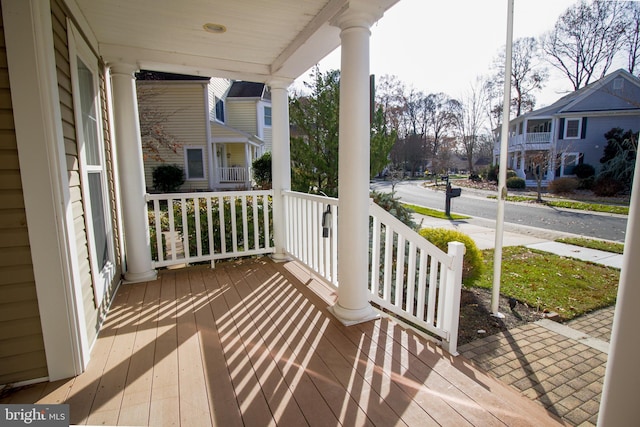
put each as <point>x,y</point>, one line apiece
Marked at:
<point>219,110</point>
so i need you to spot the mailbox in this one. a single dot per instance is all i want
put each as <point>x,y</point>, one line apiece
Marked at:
<point>454,192</point>
<point>450,193</point>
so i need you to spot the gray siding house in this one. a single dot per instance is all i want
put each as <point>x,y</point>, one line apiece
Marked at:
<point>571,130</point>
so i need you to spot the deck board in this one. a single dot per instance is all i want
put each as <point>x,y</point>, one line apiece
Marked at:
<point>252,343</point>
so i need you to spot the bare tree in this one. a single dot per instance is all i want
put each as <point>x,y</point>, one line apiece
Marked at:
<point>440,118</point>
<point>390,95</point>
<point>471,120</point>
<point>153,119</point>
<point>539,163</point>
<point>631,38</point>
<point>527,74</point>
<point>585,40</point>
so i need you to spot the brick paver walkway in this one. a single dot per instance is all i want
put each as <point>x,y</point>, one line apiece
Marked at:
<point>560,373</point>
<point>597,324</point>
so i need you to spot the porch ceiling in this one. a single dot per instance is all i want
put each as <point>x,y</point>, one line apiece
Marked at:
<point>264,39</point>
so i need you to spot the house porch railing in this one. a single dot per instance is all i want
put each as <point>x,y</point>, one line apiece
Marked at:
<point>531,138</point>
<point>233,174</point>
<point>196,227</point>
<point>408,276</point>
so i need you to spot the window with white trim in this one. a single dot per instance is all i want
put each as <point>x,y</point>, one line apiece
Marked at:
<point>219,109</point>
<point>572,128</point>
<point>194,161</point>
<point>267,116</point>
<point>91,155</point>
<point>569,162</point>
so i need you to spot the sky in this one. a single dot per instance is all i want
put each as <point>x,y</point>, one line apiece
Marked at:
<point>442,46</point>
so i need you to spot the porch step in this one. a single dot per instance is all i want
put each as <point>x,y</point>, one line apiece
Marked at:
<point>534,183</point>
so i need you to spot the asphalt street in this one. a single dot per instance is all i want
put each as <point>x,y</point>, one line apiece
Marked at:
<point>474,204</point>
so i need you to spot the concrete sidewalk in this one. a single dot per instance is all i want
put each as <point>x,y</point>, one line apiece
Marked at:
<point>560,366</point>
<point>483,233</point>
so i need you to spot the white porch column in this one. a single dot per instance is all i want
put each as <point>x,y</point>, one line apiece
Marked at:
<point>131,172</point>
<point>280,161</point>
<point>620,405</point>
<point>216,165</point>
<point>353,167</point>
<point>248,161</point>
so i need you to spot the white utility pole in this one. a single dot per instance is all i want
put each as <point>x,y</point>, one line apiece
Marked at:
<point>502,176</point>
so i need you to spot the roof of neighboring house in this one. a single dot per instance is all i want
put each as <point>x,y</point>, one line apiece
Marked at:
<point>253,139</point>
<point>576,101</point>
<point>242,89</point>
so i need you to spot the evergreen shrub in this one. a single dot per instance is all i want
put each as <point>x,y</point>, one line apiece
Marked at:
<point>168,178</point>
<point>472,265</point>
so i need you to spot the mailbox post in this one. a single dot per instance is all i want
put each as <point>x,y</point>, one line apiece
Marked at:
<point>450,193</point>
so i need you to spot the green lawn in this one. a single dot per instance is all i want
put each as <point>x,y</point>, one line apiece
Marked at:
<point>433,212</point>
<point>571,204</point>
<point>616,248</point>
<point>550,282</point>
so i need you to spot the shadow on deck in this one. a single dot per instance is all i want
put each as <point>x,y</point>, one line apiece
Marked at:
<point>252,343</point>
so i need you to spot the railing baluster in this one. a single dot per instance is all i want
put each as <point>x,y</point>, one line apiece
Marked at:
<point>245,225</point>
<point>375,256</point>
<point>210,227</point>
<point>158,226</point>
<point>422,285</point>
<point>411,277</point>
<point>267,218</point>
<point>313,205</point>
<point>223,226</point>
<point>320,246</point>
<point>334,244</point>
<point>433,288</point>
<point>256,223</point>
<point>399,285</point>
<point>234,227</point>
<point>185,228</point>
<point>196,211</point>
<point>305,232</point>
<point>388,259</point>
<point>172,229</point>
<point>442,287</point>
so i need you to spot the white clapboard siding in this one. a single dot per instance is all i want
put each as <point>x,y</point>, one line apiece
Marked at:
<point>183,104</point>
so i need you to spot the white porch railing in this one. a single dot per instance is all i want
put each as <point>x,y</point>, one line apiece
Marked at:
<point>232,174</point>
<point>531,138</point>
<point>304,241</point>
<point>196,227</point>
<point>409,276</point>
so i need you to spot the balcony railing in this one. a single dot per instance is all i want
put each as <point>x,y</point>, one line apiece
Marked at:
<point>531,138</point>
<point>197,227</point>
<point>409,276</point>
<point>232,174</point>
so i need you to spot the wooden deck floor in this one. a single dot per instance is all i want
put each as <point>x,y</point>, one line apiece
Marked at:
<point>252,343</point>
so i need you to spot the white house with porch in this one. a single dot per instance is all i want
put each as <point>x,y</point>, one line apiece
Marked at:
<point>213,128</point>
<point>75,217</point>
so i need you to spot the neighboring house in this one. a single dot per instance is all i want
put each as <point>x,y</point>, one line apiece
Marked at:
<point>571,130</point>
<point>233,116</point>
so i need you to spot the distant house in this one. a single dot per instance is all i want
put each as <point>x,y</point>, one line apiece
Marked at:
<point>219,128</point>
<point>572,129</point>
